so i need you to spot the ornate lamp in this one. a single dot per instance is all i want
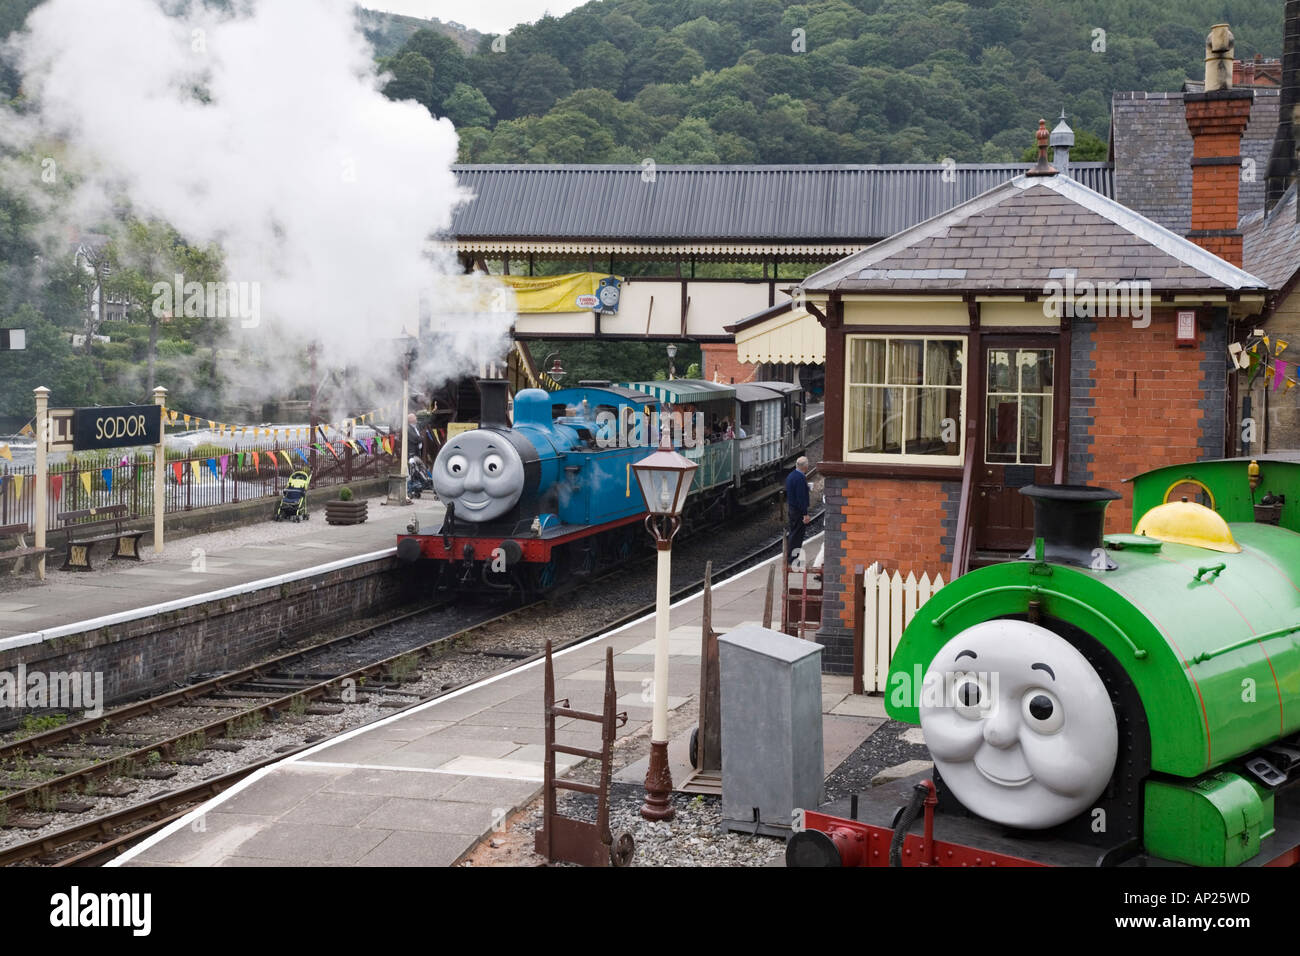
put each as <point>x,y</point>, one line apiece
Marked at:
<point>665,481</point>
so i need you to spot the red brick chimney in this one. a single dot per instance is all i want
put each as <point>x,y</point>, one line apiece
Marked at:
<point>1217,118</point>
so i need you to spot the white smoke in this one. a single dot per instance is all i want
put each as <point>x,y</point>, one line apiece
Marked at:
<point>263,130</point>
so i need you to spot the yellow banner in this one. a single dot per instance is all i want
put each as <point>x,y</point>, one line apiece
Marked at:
<point>18,487</point>
<point>455,428</point>
<point>554,293</point>
<point>85,481</point>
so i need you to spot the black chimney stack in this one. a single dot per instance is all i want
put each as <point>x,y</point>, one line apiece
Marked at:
<point>1071,520</point>
<point>1281,161</point>
<point>494,394</point>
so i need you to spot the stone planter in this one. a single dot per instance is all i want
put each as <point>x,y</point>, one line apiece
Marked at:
<point>345,512</point>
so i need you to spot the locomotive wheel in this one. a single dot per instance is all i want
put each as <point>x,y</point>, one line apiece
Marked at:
<point>621,850</point>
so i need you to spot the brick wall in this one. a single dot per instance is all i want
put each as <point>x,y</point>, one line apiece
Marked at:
<point>905,525</point>
<point>146,655</point>
<point>1140,403</point>
<point>721,364</point>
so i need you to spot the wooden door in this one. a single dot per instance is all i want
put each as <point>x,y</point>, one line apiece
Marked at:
<point>1016,437</point>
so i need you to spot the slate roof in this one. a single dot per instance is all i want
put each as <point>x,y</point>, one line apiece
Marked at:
<point>1024,233</point>
<point>858,204</point>
<point>1272,242</point>
<point>1152,150</point>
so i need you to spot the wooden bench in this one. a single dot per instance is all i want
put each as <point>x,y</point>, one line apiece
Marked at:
<point>105,525</point>
<point>17,533</point>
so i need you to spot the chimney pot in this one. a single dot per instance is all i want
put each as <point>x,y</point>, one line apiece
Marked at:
<point>1219,47</point>
<point>1042,167</point>
<point>1062,140</point>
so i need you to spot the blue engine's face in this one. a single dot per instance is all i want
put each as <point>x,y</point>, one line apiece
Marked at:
<point>481,473</point>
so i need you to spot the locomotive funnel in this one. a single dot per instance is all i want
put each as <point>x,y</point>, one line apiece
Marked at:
<point>493,395</point>
<point>1071,520</point>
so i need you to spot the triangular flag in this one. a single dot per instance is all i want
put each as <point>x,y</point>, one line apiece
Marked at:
<point>1290,384</point>
<point>187,421</point>
<point>287,460</point>
<point>18,487</point>
<point>108,478</point>
<point>256,467</point>
<point>56,486</point>
<point>194,467</point>
<point>178,469</point>
<point>27,431</point>
<point>303,455</point>
<point>1281,373</point>
<point>6,453</point>
<point>225,463</point>
<point>212,467</point>
<point>1266,341</point>
<point>1279,346</point>
<point>172,415</point>
<point>211,423</point>
<point>85,481</point>
<point>330,447</point>
<point>242,456</point>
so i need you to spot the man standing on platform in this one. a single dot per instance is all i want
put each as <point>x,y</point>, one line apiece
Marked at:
<point>796,499</point>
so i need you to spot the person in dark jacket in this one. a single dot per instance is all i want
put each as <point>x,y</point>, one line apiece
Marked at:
<point>796,499</point>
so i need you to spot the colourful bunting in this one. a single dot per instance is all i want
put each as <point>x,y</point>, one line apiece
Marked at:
<point>107,474</point>
<point>212,467</point>
<point>56,486</point>
<point>178,469</point>
<point>303,455</point>
<point>225,463</point>
<point>18,486</point>
<point>256,467</point>
<point>85,481</point>
<point>287,460</point>
<point>1280,373</point>
<point>194,467</point>
<point>1279,346</point>
<point>6,453</point>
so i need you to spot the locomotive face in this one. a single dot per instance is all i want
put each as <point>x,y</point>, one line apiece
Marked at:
<point>481,473</point>
<point>1019,724</point>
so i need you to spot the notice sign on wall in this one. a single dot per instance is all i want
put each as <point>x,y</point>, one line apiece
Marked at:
<point>121,427</point>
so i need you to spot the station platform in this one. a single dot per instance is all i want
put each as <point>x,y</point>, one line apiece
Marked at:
<point>422,787</point>
<point>194,568</point>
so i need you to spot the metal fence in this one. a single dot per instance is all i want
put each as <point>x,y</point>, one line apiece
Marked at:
<point>241,473</point>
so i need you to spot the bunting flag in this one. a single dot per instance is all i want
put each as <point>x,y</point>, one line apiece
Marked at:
<point>178,469</point>
<point>287,460</point>
<point>187,421</point>
<point>85,481</point>
<point>242,456</point>
<point>212,467</point>
<point>329,446</point>
<point>27,431</point>
<point>107,474</point>
<point>56,487</point>
<point>18,486</point>
<point>303,455</point>
<point>1290,384</point>
<point>6,453</point>
<point>225,463</point>
<point>256,467</point>
<point>1280,374</point>
<point>1279,346</point>
<point>194,467</point>
<point>211,423</point>
<point>370,446</point>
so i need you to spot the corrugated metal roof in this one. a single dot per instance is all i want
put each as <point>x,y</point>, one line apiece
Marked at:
<point>737,203</point>
<point>683,390</point>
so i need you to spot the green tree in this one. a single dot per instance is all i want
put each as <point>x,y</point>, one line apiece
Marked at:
<point>412,79</point>
<point>466,106</point>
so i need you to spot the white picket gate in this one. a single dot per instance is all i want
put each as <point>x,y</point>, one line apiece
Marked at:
<point>889,601</point>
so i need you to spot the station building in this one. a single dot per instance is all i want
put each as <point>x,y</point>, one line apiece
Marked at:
<point>1039,333</point>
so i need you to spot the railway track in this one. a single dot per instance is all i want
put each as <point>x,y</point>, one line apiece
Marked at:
<point>277,691</point>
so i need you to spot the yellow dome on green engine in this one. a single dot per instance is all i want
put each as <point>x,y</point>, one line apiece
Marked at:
<point>1185,522</point>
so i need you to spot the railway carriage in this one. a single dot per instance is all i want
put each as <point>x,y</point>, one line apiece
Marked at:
<point>1107,699</point>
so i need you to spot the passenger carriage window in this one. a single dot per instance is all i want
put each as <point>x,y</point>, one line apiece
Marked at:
<point>905,399</point>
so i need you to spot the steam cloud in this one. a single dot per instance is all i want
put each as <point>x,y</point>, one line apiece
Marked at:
<point>263,129</point>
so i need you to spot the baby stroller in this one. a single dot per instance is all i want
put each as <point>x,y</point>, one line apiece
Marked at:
<point>293,500</point>
<point>418,479</point>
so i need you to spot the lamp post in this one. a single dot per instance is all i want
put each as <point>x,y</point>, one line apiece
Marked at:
<point>665,480</point>
<point>672,354</point>
<point>397,483</point>
<point>556,371</point>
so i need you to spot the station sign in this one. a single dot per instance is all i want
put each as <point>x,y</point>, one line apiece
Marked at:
<point>123,426</point>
